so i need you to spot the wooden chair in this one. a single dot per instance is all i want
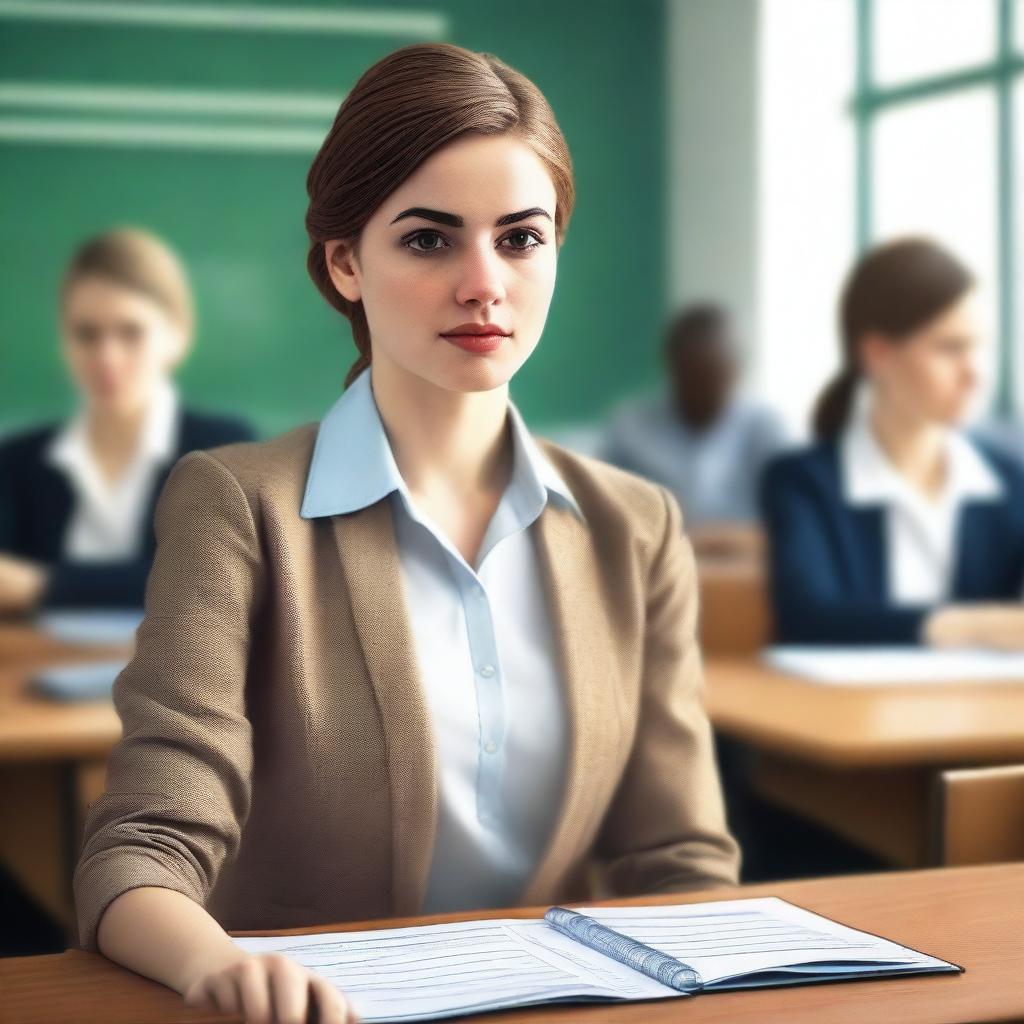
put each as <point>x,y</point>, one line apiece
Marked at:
<point>735,618</point>
<point>981,815</point>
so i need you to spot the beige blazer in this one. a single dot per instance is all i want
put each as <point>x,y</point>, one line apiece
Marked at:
<point>277,763</point>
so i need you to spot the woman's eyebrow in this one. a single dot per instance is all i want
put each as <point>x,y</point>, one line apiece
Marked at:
<point>455,221</point>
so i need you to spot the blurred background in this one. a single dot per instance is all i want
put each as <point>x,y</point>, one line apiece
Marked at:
<point>740,151</point>
<point>732,159</point>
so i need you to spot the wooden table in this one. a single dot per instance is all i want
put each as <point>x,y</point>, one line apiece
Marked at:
<point>973,917</point>
<point>52,764</point>
<point>862,760</point>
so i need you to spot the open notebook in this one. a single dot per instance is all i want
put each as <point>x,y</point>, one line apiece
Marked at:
<point>446,970</point>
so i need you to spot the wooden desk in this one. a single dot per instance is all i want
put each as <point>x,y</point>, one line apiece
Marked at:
<point>862,760</point>
<point>970,916</point>
<point>52,765</point>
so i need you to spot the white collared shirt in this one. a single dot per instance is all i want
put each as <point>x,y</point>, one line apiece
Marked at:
<point>107,520</point>
<point>487,656</point>
<point>921,534</point>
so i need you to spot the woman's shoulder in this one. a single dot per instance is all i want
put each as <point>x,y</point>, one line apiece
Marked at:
<point>1005,462</point>
<point>815,464</point>
<point>25,446</point>
<point>273,470</point>
<point>607,494</point>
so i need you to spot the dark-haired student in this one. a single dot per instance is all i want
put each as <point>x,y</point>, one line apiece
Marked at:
<point>77,497</point>
<point>897,527</point>
<point>697,436</point>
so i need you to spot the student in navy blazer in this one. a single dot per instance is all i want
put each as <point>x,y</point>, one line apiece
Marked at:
<point>77,497</point>
<point>897,527</point>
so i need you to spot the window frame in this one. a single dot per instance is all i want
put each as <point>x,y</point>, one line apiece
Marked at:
<point>1002,74</point>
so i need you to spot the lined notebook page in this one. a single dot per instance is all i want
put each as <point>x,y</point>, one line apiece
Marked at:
<point>407,974</point>
<point>728,938</point>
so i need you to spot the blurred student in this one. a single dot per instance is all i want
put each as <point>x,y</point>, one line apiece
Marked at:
<point>77,498</point>
<point>896,527</point>
<point>699,438</point>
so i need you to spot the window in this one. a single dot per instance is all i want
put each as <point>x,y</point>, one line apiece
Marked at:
<point>938,122</point>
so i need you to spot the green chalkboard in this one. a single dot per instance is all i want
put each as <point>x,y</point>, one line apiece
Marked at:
<point>199,121</point>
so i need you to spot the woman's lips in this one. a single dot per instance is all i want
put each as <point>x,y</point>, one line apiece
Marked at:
<point>476,342</point>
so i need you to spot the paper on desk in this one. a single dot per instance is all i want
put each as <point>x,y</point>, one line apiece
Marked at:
<point>98,626</point>
<point>887,665</point>
<point>446,970</point>
<point>434,971</point>
<point>728,939</point>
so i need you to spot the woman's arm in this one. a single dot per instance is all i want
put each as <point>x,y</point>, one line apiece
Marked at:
<point>179,780</point>
<point>165,936</point>
<point>665,830</point>
<point>1000,626</point>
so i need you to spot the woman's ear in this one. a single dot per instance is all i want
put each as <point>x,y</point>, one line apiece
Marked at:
<point>874,351</point>
<point>342,266</point>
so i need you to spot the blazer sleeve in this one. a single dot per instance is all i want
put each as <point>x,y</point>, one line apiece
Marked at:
<point>665,830</point>
<point>810,603</point>
<point>179,780</point>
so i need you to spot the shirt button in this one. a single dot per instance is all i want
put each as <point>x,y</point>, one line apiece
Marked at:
<point>487,671</point>
<point>491,747</point>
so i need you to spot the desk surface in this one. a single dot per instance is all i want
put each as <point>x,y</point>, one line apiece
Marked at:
<point>970,916</point>
<point>846,727</point>
<point>865,726</point>
<point>34,728</point>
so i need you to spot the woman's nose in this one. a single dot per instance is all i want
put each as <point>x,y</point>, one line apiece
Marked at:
<point>480,279</point>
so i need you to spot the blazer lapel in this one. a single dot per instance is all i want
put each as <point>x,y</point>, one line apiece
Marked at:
<point>594,704</point>
<point>370,562</point>
<point>866,555</point>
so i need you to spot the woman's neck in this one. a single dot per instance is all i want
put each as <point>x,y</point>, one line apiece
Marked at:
<point>456,443</point>
<point>113,435</point>
<point>915,447</point>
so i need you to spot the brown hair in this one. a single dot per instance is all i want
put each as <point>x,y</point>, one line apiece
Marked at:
<point>402,110</point>
<point>137,260</point>
<point>894,289</point>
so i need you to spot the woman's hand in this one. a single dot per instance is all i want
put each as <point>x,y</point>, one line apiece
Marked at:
<point>268,988</point>
<point>1000,626</point>
<point>21,583</point>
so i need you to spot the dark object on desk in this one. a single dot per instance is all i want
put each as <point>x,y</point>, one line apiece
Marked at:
<point>36,503</point>
<point>91,681</point>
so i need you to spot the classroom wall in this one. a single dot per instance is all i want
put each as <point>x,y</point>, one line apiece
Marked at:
<point>713,85</point>
<point>114,115</point>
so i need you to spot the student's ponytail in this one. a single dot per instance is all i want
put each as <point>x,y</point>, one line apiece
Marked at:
<point>894,289</point>
<point>834,405</point>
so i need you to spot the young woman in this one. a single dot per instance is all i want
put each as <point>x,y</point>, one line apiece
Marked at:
<point>897,527</point>
<point>77,498</point>
<point>410,659</point>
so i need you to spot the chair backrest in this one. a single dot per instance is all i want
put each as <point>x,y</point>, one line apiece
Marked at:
<point>735,615</point>
<point>981,819</point>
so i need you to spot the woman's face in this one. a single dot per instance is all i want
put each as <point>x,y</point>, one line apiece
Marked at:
<point>932,375</point>
<point>118,344</point>
<point>468,239</point>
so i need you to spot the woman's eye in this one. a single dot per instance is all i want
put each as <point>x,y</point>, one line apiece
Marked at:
<point>526,240</point>
<point>429,236</point>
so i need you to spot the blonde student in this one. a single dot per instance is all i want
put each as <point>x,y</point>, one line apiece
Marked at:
<point>411,658</point>
<point>77,495</point>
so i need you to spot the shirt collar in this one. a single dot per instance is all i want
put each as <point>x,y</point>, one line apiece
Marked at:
<point>353,465</point>
<point>70,449</point>
<point>869,477</point>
